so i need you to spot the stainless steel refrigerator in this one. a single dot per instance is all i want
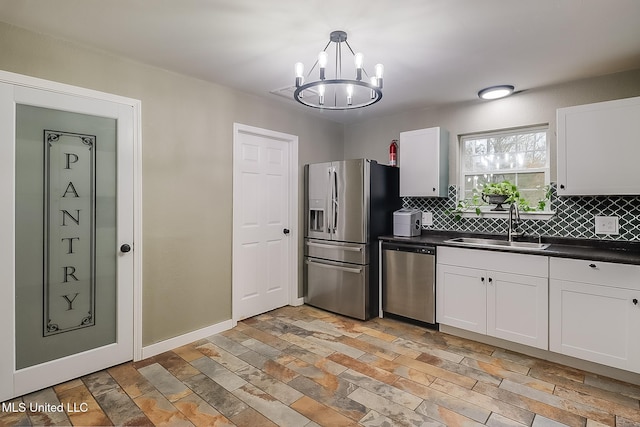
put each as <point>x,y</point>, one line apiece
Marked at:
<point>348,205</point>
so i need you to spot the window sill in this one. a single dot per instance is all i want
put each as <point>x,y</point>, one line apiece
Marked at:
<point>541,216</point>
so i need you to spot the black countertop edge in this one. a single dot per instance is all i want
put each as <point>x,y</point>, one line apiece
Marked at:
<point>623,252</point>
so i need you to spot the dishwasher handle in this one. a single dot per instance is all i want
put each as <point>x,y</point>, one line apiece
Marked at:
<point>408,247</point>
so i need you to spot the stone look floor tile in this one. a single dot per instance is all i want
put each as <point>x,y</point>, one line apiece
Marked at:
<point>558,402</point>
<point>40,416</point>
<point>172,388</point>
<point>390,392</point>
<point>497,420</point>
<point>443,400</point>
<point>495,406</point>
<point>14,413</point>
<point>398,413</point>
<point>321,414</point>
<point>176,365</point>
<point>160,411</point>
<point>305,367</point>
<point>82,407</point>
<point>216,395</point>
<point>281,391</point>
<point>531,405</point>
<point>445,416</point>
<point>252,418</point>
<point>269,406</point>
<point>131,380</point>
<point>188,352</point>
<point>200,413</point>
<point>339,403</point>
<point>221,375</point>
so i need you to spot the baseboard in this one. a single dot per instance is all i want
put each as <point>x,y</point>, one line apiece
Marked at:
<point>189,337</point>
<point>296,302</point>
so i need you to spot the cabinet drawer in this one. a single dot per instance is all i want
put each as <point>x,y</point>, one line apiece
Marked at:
<point>595,272</point>
<point>529,265</point>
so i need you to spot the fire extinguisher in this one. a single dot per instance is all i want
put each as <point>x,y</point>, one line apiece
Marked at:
<point>393,153</point>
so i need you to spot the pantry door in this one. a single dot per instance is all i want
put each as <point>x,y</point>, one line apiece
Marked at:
<point>66,236</point>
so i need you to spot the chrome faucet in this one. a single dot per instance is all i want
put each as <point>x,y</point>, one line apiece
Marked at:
<point>514,221</point>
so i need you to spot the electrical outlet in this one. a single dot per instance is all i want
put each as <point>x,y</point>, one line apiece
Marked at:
<point>606,225</point>
<point>427,218</point>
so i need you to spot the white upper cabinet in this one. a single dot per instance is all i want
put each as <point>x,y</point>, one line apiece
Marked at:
<point>424,162</point>
<point>599,148</point>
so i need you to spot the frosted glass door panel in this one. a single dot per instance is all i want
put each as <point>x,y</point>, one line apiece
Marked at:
<point>65,250</point>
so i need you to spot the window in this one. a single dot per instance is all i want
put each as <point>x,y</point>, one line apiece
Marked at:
<point>519,156</point>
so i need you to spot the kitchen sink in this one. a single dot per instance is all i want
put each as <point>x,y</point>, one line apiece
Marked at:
<point>495,243</point>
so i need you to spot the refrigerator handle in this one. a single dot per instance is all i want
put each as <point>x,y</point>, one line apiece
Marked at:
<point>334,201</point>
<point>330,199</point>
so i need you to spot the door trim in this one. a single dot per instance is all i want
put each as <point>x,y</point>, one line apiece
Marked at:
<point>294,179</point>
<point>61,88</point>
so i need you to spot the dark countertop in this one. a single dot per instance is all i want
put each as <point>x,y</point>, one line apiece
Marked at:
<point>562,247</point>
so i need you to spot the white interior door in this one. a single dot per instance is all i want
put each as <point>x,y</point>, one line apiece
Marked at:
<point>66,237</point>
<point>264,237</point>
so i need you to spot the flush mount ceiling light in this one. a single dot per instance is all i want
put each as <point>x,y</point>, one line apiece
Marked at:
<point>338,93</point>
<point>495,92</point>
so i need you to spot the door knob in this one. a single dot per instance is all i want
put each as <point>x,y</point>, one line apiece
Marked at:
<point>285,231</point>
<point>125,248</point>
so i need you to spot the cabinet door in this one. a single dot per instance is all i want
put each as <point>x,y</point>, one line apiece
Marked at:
<point>596,323</point>
<point>461,295</point>
<point>598,148</point>
<point>423,160</point>
<point>517,308</point>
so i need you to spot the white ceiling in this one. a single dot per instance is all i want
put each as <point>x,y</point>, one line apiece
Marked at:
<point>434,51</point>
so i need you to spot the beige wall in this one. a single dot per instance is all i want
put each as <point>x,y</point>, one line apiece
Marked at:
<point>371,138</point>
<point>187,169</point>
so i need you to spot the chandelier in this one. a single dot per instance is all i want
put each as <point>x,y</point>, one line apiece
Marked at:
<point>338,93</point>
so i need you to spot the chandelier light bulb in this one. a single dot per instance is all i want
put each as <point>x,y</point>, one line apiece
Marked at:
<point>321,94</point>
<point>374,82</point>
<point>379,72</point>
<point>299,70</point>
<point>358,59</point>
<point>323,58</point>
<point>349,94</point>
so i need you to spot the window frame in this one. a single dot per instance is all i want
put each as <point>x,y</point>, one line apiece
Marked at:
<point>462,173</point>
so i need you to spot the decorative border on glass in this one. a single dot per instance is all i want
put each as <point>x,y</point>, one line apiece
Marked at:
<point>69,231</point>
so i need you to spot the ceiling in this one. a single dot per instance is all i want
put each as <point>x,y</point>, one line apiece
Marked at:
<point>435,52</point>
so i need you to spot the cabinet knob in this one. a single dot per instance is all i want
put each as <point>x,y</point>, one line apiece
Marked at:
<point>125,248</point>
<point>434,188</point>
<point>482,279</point>
<point>593,266</point>
<point>562,186</point>
<point>635,301</point>
<point>490,280</point>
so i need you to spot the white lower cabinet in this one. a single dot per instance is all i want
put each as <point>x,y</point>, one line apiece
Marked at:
<point>504,295</point>
<point>595,311</point>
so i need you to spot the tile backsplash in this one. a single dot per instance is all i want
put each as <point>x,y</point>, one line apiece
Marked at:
<point>574,216</point>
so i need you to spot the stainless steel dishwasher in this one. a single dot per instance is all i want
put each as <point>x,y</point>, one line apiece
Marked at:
<point>408,281</point>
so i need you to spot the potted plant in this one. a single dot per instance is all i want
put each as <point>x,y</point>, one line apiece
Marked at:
<point>497,193</point>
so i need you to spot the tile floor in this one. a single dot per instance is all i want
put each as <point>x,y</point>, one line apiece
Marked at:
<point>299,366</point>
